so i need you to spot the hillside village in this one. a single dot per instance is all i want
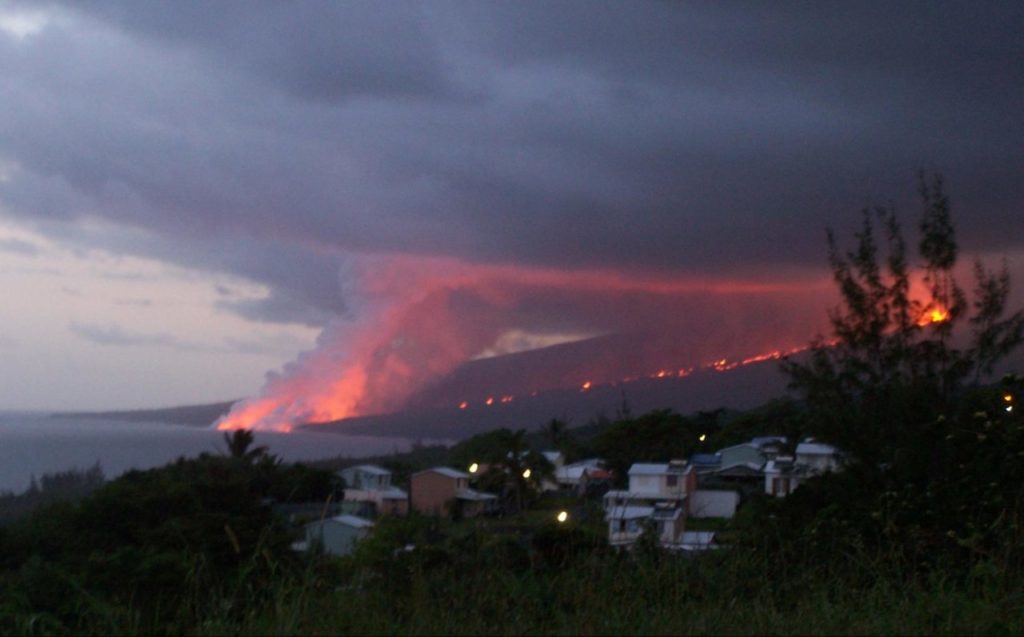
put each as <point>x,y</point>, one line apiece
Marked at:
<point>680,502</point>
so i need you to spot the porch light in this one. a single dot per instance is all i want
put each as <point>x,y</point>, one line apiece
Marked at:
<point>562,516</point>
<point>527,473</point>
<point>702,437</point>
<point>473,468</point>
<point>1008,398</point>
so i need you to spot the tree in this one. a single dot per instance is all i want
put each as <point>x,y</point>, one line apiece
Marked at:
<point>933,478</point>
<point>893,365</point>
<point>657,436</point>
<point>239,441</point>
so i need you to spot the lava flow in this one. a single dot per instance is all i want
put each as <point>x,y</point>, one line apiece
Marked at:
<point>720,365</point>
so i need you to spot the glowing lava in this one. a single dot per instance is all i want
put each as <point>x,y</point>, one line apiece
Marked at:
<point>934,315</point>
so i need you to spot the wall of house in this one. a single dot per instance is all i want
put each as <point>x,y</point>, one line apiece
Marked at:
<point>707,503</point>
<point>430,493</point>
<point>821,463</point>
<point>646,484</point>
<point>335,538</point>
<point>357,479</point>
<point>393,506</point>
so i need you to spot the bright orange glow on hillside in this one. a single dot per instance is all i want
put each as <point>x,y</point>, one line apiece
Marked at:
<point>425,317</point>
<point>720,365</point>
<point>935,315</point>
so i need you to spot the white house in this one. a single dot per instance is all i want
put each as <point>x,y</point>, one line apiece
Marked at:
<point>658,497</point>
<point>335,536</point>
<point>369,488</point>
<point>785,473</point>
<point>821,458</point>
<point>578,475</point>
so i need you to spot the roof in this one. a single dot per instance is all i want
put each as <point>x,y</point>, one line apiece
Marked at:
<point>587,462</point>
<point>369,468</point>
<point>663,513</point>
<point>816,449</point>
<point>752,466</point>
<point>445,471</point>
<point>658,469</point>
<point>739,446</point>
<point>706,459</point>
<point>570,473</point>
<point>552,456</point>
<point>629,513</point>
<point>760,441</point>
<point>697,538</point>
<point>470,494</point>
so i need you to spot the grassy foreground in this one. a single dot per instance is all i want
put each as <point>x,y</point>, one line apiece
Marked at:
<point>604,595</point>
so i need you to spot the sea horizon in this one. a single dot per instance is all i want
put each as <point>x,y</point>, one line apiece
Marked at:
<point>34,443</point>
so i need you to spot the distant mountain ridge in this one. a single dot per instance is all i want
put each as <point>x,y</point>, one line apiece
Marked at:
<point>189,415</point>
<point>555,375</point>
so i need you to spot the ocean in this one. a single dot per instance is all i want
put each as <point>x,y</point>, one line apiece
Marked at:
<point>32,444</point>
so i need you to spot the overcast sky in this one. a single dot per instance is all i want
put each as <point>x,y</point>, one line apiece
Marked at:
<point>190,192</point>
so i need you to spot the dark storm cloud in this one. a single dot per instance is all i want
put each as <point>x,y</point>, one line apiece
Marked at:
<point>268,139</point>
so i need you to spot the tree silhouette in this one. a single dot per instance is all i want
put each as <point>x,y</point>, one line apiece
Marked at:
<point>239,442</point>
<point>892,367</point>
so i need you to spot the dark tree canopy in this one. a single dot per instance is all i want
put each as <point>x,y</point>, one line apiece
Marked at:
<point>899,359</point>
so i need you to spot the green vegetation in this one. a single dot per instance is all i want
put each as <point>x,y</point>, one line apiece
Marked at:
<point>920,533</point>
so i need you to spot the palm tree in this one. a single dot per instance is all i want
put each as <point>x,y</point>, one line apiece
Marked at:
<point>239,441</point>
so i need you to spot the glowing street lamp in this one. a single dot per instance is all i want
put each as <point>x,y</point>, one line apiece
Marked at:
<point>473,468</point>
<point>702,437</point>
<point>562,516</point>
<point>527,473</point>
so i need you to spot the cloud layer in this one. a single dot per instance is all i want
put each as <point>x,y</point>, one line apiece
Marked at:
<point>301,145</point>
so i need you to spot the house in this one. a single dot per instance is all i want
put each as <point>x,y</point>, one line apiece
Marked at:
<point>366,476</point>
<point>582,476</point>
<point>335,536</point>
<point>714,503</point>
<point>445,491</point>
<point>785,473</point>
<point>658,497</point>
<point>697,541</point>
<point>770,446</point>
<point>369,492</point>
<point>820,457</point>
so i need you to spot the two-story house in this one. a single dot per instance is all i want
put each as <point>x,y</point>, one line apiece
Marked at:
<point>785,473</point>
<point>658,497</point>
<point>369,492</point>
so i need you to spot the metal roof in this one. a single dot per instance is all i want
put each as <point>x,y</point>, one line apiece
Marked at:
<point>706,459</point>
<point>552,456</point>
<point>659,469</point>
<point>446,471</point>
<point>816,449</point>
<point>369,468</point>
<point>352,520</point>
